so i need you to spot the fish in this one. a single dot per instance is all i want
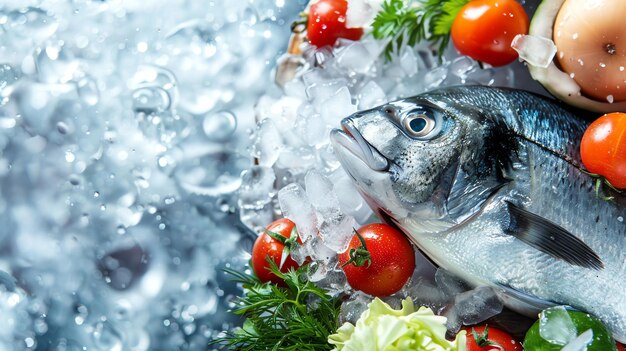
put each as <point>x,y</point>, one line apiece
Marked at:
<point>488,183</point>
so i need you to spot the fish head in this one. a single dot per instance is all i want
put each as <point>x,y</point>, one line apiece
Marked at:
<point>404,156</point>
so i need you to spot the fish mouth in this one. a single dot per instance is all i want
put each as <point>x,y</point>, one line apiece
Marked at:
<point>351,139</point>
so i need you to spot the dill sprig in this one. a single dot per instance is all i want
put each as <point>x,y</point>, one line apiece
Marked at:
<point>297,316</point>
<point>407,22</point>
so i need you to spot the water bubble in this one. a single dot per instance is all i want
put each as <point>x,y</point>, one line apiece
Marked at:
<point>106,337</point>
<point>150,100</point>
<point>220,125</point>
<point>122,268</point>
<point>32,23</point>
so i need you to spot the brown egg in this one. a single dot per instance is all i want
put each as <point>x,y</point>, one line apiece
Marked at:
<point>590,36</point>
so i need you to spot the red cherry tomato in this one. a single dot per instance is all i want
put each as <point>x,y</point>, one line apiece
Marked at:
<point>603,148</point>
<point>619,346</point>
<point>493,335</point>
<point>265,246</point>
<point>392,260</point>
<point>327,23</point>
<point>484,30</point>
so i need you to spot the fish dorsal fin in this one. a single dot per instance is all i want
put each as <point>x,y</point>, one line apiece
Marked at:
<point>550,238</point>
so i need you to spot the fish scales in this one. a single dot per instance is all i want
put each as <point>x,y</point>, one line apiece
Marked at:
<point>457,197</point>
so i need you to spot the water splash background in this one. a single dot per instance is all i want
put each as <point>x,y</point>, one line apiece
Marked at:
<point>123,132</point>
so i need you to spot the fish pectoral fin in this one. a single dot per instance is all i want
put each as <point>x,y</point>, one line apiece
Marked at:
<point>550,238</point>
<point>520,301</point>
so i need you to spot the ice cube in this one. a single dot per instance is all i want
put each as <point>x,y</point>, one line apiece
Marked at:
<point>453,320</point>
<point>320,192</point>
<point>295,206</point>
<point>408,62</point>
<point>334,281</point>
<point>318,271</point>
<point>296,158</point>
<point>449,283</point>
<point>371,95</point>
<point>337,232</point>
<point>424,293</point>
<point>556,326</point>
<point>360,13</point>
<point>319,92</point>
<point>350,201</point>
<point>337,107</point>
<point>536,50</point>
<point>311,127</point>
<point>320,252</point>
<point>267,143</point>
<point>352,309</point>
<point>477,305</point>
<point>355,57</point>
<point>462,66</point>
<point>257,187</point>
<point>581,342</point>
<point>435,77</point>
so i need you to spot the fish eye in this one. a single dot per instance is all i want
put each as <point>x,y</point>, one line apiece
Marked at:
<point>419,125</point>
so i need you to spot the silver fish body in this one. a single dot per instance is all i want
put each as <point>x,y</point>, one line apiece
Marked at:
<point>489,184</point>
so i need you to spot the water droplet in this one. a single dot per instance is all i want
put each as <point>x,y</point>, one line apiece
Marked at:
<point>69,157</point>
<point>219,126</point>
<point>610,99</point>
<point>74,179</point>
<point>620,219</point>
<point>63,128</point>
<point>30,342</point>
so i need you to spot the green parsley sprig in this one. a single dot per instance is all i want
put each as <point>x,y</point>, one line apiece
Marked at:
<point>407,22</point>
<point>297,316</point>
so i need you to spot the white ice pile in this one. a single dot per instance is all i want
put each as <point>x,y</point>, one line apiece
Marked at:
<point>122,143</point>
<point>291,145</point>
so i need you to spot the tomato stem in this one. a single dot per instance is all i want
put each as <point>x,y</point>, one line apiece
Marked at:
<point>289,244</point>
<point>359,255</point>
<point>600,181</point>
<point>299,25</point>
<point>281,239</point>
<point>482,339</point>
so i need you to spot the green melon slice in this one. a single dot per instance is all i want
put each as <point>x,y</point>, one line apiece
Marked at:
<point>557,82</point>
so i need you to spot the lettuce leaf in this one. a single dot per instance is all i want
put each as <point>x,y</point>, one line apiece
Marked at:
<point>381,328</point>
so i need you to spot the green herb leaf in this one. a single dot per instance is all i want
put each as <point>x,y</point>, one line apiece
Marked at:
<point>407,22</point>
<point>482,339</point>
<point>299,316</point>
